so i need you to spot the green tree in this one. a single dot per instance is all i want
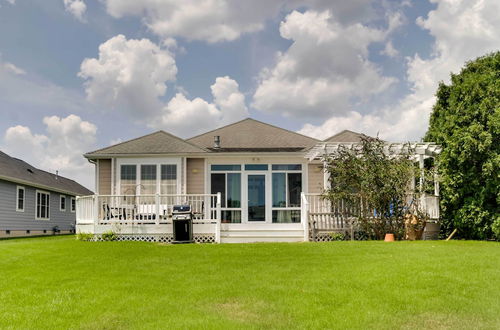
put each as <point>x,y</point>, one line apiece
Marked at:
<point>466,122</point>
<point>377,177</point>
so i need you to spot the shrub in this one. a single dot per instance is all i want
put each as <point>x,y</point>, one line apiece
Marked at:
<point>496,228</point>
<point>85,237</point>
<point>337,236</point>
<point>109,236</point>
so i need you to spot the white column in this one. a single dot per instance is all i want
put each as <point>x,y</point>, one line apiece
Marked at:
<point>157,197</point>
<point>422,172</point>
<point>218,220</point>
<point>326,176</point>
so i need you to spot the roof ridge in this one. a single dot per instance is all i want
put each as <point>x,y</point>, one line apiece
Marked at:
<point>258,121</point>
<point>224,126</point>
<point>343,131</point>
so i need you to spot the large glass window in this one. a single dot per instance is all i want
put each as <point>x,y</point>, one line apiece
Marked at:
<point>279,189</point>
<point>128,178</point>
<point>233,190</point>
<point>287,187</point>
<point>229,185</point>
<point>148,179</point>
<point>42,205</point>
<point>168,185</point>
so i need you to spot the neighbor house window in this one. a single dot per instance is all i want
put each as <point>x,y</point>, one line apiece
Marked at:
<point>73,204</point>
<point>62,203</point>
<point>287,186</point>
<point>128,177</point>
<point>20,199</point>
<point>42,205</point>
<point>229,185</point>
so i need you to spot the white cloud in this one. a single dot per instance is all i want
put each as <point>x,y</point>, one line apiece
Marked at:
<point>463,30</point>
<point>11,68</point>
<point>76,8</point>
<point>129,75</point>
<point>223,20</point>
<point>59,148</point>
<point>188,117</point>
<point>324,69</point>
<point>389,50</point>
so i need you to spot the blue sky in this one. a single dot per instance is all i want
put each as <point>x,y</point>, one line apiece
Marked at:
<point>77,75</point>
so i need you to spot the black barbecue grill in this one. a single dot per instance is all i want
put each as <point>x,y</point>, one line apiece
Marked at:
<point>182,223</point>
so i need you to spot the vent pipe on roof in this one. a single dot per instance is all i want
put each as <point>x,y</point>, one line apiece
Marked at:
<point>217,141</point>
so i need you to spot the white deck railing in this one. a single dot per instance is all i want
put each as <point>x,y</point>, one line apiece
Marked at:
<point>144,209</point>
<point>319,214</point>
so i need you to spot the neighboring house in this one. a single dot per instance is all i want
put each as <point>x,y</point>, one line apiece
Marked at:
<point>247,181</point>
<point>35,202</point>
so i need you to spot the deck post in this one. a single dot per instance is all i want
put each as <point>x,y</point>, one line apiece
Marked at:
<point>218,216</point>
<point>96,209</point>
<point>304,211</point>
<point>157,211</point>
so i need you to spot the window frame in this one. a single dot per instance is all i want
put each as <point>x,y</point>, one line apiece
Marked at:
<point>149,161</point>
<point>213,169</point>
<point>61,209</point>
<point>17,198</point>
<point>287,192</point>
<point>42,192</point>
<point>72,203</point>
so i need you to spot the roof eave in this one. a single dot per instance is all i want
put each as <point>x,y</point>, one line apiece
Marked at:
<point>37,185</point>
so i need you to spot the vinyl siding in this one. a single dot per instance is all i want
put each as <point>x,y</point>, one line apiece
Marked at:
<point>315,178</point>
<point>195,176</point>
<point>104,177</point>
<point>10,219</point>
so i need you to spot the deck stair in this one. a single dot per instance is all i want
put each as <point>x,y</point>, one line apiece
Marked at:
<point>262,235</point>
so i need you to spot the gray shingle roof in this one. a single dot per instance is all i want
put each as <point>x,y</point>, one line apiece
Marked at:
<point>16,170</point>
<point>346,136</point>
<point>159,142</point>
<point>251,134</point>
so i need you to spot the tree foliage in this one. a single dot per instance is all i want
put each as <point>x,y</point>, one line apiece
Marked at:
<point>466,122</point>
<point>377,178</point>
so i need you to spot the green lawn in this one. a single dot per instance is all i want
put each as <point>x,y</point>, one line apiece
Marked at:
<point>58,282</point>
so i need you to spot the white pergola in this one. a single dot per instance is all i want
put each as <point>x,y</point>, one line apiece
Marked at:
<point>420,150</point>
<point>423,149</point>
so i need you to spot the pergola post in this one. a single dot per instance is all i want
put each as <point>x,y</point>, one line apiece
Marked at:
<point>422,172</point>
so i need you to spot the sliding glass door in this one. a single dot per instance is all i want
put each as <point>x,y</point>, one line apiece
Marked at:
<point>256,197</point>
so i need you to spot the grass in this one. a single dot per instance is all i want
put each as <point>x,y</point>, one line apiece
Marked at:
<point>58,282</point>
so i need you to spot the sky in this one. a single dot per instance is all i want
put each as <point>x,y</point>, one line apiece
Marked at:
<point>78,75</point>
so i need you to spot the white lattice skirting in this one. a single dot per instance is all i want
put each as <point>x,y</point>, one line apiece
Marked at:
<point>158,238</point>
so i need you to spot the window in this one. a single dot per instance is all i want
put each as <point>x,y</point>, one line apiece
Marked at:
<point>73,204</point>
<point>168,184</point>
<point>229,185</point>
<point>128,176</point>
<point>226,167</point>
<point>42,205</point>
<point>287,187</point>
<point>148,179</point>
<point>287,167</point>
<point>256,167</point>
<point>62,203</point>
<point>20,199</point>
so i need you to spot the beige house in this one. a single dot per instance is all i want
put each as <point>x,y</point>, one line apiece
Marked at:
<point>247,181</point>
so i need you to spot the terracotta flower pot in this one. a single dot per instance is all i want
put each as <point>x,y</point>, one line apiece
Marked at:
<point>389,238</point>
